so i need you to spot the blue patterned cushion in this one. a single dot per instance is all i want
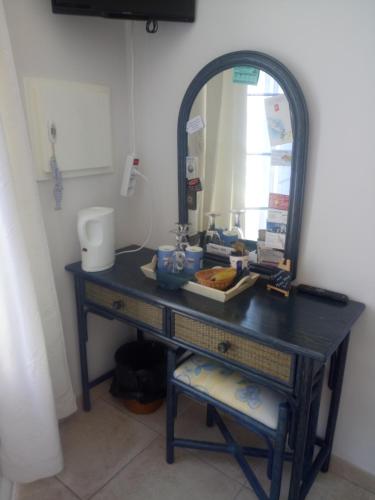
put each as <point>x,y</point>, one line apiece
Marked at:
<point>232,388</point>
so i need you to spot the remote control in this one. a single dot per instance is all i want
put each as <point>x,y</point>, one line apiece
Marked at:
<point>324,294</point>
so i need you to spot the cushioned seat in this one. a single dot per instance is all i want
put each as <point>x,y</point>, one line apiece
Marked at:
<point>232,388</point>
<point>226,391</point>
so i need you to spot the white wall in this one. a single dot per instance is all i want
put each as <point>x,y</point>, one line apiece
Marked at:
<point>87,50</point>
<point>6,489</point>
<point>329,46</point>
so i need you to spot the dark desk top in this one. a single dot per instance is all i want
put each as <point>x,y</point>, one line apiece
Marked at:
<point>301,324</point>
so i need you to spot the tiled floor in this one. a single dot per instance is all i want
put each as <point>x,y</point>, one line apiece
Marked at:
<point>111,454</point>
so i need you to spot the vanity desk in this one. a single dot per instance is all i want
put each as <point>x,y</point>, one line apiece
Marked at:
<point>283,343</point>
<point>242,138</point>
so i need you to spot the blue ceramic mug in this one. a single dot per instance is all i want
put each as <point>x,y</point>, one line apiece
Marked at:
<point>229,237</point>
<point>165,253</point>
<point>193,259</point>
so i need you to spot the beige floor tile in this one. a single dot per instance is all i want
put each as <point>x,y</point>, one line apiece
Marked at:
<point>192,425</point>
<point>157,420</point>
<point>246,494</point>
<point>149,477</point>
<point>45,489</point>
<point>97,445</point>
<point>96,393</point>
<point>326,487</point>
<point>367,495</point>
<point>101,390</point>
<point>266,484</point>
<point>331,487</point>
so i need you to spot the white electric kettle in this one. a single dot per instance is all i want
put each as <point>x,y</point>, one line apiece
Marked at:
<point>97,238</point>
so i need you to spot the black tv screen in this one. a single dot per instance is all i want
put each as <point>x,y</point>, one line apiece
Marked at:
<point>163,10</point>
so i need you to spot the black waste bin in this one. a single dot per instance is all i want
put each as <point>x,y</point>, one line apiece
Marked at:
<point>140,375</point>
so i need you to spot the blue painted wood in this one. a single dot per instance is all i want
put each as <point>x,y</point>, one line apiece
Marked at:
<point>171,406</point>
<point>113,313</point>
<point>313,423</point>
<point>337,380</point>
<point>209,416</point>
<point>300,126</point>
<point>278,452</point>
<point>308,327</point>
<point>277,383</point>
<point>201,445</point>
<point>275,454</point>
<point>82,338</point>
<point>102,378</point>
<point>140,335</point>
<point>305,374</point>
<point>300,324</point>
<point>314,471</point>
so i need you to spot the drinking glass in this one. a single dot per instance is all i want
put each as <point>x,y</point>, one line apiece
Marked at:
<point>236,226</point>
<point>212,234</point>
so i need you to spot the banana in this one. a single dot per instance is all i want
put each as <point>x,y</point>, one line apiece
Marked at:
<point>223,274</point>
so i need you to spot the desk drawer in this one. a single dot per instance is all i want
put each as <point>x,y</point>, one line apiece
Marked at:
<point>133,308</point>
<point>277,365</point>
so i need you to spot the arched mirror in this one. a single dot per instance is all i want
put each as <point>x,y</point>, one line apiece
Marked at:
<point>242,146</point>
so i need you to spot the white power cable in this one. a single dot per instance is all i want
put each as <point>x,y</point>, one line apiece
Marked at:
<point>132,87</point>
<point>133,138</point>
<point>137,172</point>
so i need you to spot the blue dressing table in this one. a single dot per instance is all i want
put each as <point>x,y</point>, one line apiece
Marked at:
<point>284,343</point>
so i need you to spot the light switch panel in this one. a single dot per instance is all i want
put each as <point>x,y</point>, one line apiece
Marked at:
<point>81,113</point>
<point>192,167</point>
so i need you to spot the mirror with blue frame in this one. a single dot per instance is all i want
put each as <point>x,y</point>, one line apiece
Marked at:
<point>242,154</point>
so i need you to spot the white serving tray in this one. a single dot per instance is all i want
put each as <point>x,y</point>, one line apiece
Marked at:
<point>191,286</point>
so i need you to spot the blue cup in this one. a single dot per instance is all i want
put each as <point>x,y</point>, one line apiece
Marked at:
<point>193,259</point>
<point>165,254</point>
<point>229,237</point>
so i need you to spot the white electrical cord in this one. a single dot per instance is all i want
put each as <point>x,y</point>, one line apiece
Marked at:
<point>132,87</point>
<point>137,172</point>
<point>133,138</point>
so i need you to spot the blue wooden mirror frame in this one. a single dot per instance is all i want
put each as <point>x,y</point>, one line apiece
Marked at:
<point>299,118</point>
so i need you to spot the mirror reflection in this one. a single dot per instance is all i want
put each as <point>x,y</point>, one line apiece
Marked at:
<point>239,158</point>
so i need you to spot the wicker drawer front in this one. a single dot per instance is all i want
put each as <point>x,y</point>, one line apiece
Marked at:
<point>266,360</point>
<point>133,308</point>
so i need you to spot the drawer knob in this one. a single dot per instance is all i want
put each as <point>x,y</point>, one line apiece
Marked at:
<point>118,304</point>
<point>223,346</point>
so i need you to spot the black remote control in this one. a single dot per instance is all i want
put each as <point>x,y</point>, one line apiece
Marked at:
<point>324,294</point>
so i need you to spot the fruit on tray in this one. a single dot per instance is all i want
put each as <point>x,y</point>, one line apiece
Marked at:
<point>224,274</point>
<point>219,277</point>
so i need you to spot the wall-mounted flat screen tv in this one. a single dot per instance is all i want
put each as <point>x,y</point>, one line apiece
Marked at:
<point>163,10</point>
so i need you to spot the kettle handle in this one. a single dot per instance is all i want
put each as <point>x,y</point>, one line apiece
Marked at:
<point>81,227</point>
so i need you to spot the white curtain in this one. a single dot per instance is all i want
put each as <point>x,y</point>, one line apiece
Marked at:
<point>197,148</point>
<point>226,146</point>
<point>35,385</point>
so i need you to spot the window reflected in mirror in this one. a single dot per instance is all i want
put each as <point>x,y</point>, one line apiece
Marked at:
<point>241,152</point>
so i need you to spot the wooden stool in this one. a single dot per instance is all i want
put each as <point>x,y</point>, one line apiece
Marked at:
<point>258,408</point>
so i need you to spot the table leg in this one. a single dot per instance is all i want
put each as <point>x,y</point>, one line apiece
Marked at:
<point>337,379</point>
<point>313,424</point>
<point>171,404</point>
<point>305,374</point>
<point>140,335</point>
<point>83,337</point>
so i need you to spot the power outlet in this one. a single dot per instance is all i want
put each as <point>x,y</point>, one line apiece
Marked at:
<point>129,176</point>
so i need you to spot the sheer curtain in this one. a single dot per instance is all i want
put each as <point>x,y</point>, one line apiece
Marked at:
<point>226,146</point>
<point>35,383</point>
<point>197,148</point>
